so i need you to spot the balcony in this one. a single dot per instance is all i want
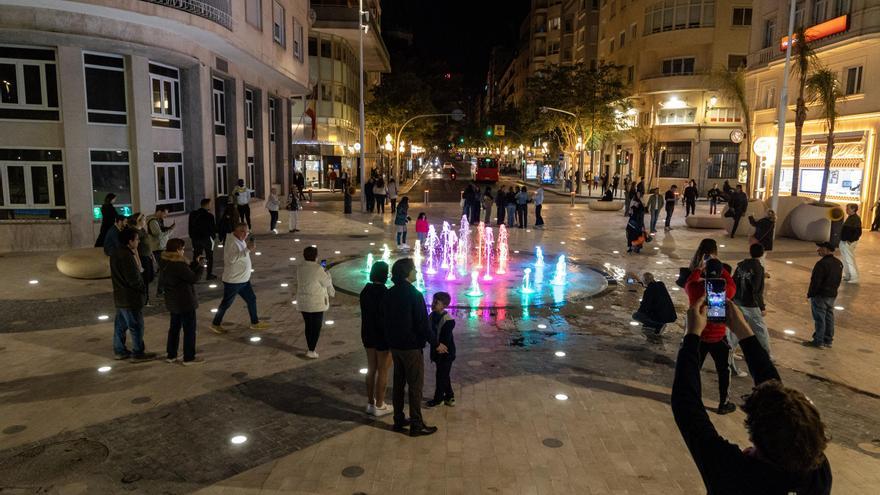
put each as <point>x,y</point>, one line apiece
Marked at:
<point>342,21</point>
<point>214,10</point>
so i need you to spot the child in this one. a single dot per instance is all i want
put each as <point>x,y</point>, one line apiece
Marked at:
<point>422,227</point>
<point>442,324</point>
<point>400,220</point>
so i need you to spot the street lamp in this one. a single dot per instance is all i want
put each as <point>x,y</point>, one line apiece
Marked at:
<point>362,27</point>
<point>577,124</point>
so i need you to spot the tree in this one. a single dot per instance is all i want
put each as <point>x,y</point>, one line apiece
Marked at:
<point>732,85</point>
<point>823,90</point>
<point>804,62</point>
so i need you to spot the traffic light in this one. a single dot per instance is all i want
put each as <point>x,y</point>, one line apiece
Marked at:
<point>461,140</point>
<point>489,132</point>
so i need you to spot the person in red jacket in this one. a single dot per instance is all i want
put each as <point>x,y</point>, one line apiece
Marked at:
<point>712,339</point>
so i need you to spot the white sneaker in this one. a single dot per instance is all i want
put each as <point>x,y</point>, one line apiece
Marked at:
<point>371,409</point>
<point>404,247</point>
<point>312,355</point>
<point>381,411</point>
<point>852,281</point>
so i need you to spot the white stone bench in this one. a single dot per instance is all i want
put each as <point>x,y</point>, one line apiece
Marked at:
<point>605,205</point>
<point>705,221</point>
<point>85,263</point>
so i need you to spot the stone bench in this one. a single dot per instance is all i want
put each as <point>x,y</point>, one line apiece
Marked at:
<point>705,221</point>
<point>605,205</point>
<point>85,263</point>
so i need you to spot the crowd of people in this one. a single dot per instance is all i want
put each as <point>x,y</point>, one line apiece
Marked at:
<point>511,205</point>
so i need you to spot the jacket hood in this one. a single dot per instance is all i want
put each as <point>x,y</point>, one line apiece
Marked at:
<point>172,256</point>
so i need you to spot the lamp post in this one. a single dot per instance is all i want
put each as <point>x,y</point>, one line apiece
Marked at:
<point>362,27</point>
<point>577,124</point>
<point>783,106</point>
<point>456,115</point>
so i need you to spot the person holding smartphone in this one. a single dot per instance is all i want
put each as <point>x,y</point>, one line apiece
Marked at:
<point>313,293</point>
<point>180,277</point>
<point>710,274</point>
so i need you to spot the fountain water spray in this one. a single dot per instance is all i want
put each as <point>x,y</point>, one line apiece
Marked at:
<point>539,257</point>
<point>386,254</point>
<point>431,243</point>
<point>559,276</point>
<point>474,290</point>
<point>464,246</point>
<point>445,245</point>
<point>526,284</point>
<point>369,264</point>
<point>417,256</point>
<point>480,240</point>
<point>503,252</point>
<point>489,245</point>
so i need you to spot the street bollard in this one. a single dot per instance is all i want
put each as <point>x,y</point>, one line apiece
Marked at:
<point>425,199</point>
<point>572,199</point>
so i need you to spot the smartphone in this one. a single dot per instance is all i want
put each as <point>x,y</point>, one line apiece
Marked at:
<point>323,263</point>
<point>716,297</point>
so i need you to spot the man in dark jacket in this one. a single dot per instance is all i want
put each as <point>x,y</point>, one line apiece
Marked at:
<point>824,282</point>
<point>442,325</point>
<point>739,203</point>
<point>129,296</point>
<point>749,278</point>
<point>407,329</point>
<point>669,199</point>
<point>777,417</point>
<point>849,238</point>
<point>656,308</point>
<point>202,231</point>
<point>181,300</point>
<point>111,238</point>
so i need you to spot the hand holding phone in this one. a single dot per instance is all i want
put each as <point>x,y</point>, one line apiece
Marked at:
<point>716,298</point>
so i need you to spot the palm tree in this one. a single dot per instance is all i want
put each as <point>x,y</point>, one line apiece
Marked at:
<point>804,62</point>
<point>732,85</point>
<point>823,90</point>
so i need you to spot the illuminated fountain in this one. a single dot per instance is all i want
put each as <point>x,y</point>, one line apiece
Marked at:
<point>481,233</point>
<point>431,243</point>
<point>369,265</point>
<point>447,246</point>
<point>386,254</point>
<point>474,290</point>
<point>489,244</point>
<point>539,256</point>
<point>417,256</point>
<point>526,287</point>
<point>464,246</point>
<point>560,275</point>
<point>503,252</point>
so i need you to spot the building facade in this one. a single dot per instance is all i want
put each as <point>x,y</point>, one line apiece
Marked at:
<point>846,46</point>
<point>680,127</point>
<point>325,123</point>
<point>160,103</point>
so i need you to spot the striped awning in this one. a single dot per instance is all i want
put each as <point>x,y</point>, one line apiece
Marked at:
<point>820,163</point>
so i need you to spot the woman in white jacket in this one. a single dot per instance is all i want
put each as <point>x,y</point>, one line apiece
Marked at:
<point>313,293</point>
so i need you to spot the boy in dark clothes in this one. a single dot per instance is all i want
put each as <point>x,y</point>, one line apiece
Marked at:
<point>442,325</point>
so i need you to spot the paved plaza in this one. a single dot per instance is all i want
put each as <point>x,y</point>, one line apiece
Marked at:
<point>157,428</point>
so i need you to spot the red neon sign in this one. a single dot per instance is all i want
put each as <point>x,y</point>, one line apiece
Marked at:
<point>821,30</point>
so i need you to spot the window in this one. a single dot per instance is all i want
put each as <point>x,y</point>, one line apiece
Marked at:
<point>326,49</point>
<point>611,46</point>
<point>672,116</point>
<point>554,24</point>
<point>736,62</point>
<point>105,88</point>
<point>251,178</point>
<point>723,160</point>
<point>853,80</point>
<point>841,7</point>
<point>820,7</point>
<point>297,40</point>
<point>633,31</point>
<point>622,39</point>
<point>723,115</point>
<point>271,120</point>
<point>799,14</point>
<point>669,15</point>
<point>313,47</point>
<point>165,82</point>
<point>219,91</point>
<point>742,17</point>
<point>31,184</point>
<point>169,177</point>
<point>769,33</point>
<point>110,174</point>
<point>678,66</point>
<point>278,23</point>
<point>221,181</point>
<point>249,112</point>
<point>630,74</point>
<point>674,159</point>
<point>253,13</point>
<point>28,84</point>
<point>770,97</point>
<point>568,26</point>
<point>554,48</point>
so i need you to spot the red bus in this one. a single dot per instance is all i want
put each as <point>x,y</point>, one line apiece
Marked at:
<point>486,170</point>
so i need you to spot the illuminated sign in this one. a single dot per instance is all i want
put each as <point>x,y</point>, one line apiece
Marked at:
<point>822,30</point>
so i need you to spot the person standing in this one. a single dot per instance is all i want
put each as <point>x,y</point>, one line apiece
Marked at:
<point>615,183</point>
<point>332,179</point>
<point>763,232</point>
<point>749,279</point>
<point>292,212</point>
<point>640,187</point>
<point>111,238</point>
<point>407,329</point>
<point>129,295</point>
<point>368,193</point>
<point>635,227</point>
<point>300,180</point>
<point>138,222</point>
<point>401,218</point>
<point>875,225</point>
<point>242,196</point>
<point>108,218</point>
<point>181,300</point>
<point>442,325</point>
<point>824,282</point>
<point>202,230</point>
<point>500,206</point>
<point>314,288</point>
<point>522,202</point>
<point>670,206</point>
<point>226,224</point>
<point>653,206</point>
<point>273,204</point>
<point>539,204</point>
<point>849,238</point>
<point>713,195</point>
<point>392,191</point>
<point>510,206</point>
<point>739,203</point>
<point>690,198</point>
<point>237,278</point>
<point>379,193</point>
<point>157,236</point>
<point>488,200</point>
<point>373,339</point>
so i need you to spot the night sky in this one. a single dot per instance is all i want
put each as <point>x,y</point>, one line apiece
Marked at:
<point>460,33</point>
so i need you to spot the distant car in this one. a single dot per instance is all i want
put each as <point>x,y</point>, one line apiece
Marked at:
<point>447,166</point>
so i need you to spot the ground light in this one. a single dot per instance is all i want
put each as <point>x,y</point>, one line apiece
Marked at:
<point>362,371</point>
<point>33,282</point>
<point>559,354</point>
<point>213,310</point>
<point>329,322</point>
<point>284,284</point>
<point>542,326</point>
<point>212,286</point>
<point>789,262</point>
<point>588,306</point>
<point>292,258</point>
<point>255,339</point>
<point>839,308</point>
<point>104,369</point>
<point>561,397</point>
<point>238,439</point>
<point>722,245</point>
<point>634,323</point>
<point>258,253</point>
<point>293,302</point>
<point>336,252</point>
<point>788,331</point>
<point>616,251</point>
<point>296,240</point>
<point>107,317</point>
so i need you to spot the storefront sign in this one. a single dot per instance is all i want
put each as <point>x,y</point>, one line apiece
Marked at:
<point>821,30</point>
<point>531,170</point>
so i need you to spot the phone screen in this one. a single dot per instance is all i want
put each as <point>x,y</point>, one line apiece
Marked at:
<point>324,263</point>
<point>716,297</point>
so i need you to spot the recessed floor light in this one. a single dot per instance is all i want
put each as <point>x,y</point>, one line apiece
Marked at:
<point>656,248</point>
<point>33,282</point>
<point>528,230</point>
<point>578,225</point>
<point>258,253</point>
<point>336,252</point>
<point>516,252</point>
<point>722,245</point>
<point>292,258</point>
<point>363,371</point>
<point>634,323</point>
<point>366,230</point>
<point>561,242</point>
<point>213,310</point>
<point>659,262</point>
<point>296,240</point>
<point>252,270</point>
<point>255,338</point>
<point>369,223</point>
<point>615,252</point>
<point>583,238</point>
<point>107,317</point>
<point>293,302</point>
<point>559,354</point>
<point>329,322</point>
<point>212,286</point>
<point>839,308</point>
<point>676,288</point>
<point>372,244</point>
<point>789,262</point>
<point>220,245</point>
<point>315,212</point>
<point>104,369</point>
<point>238,439</point>
<point>588,306</point>
<point>542,326</point>
<point>284,284</point>
<point>561,397</point>
<point>789,331</point>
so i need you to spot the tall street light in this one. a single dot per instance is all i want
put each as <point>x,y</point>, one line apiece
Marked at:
<point>580,149</point>
<point>362,28</point>
<point>456,115</point>
<point>783,106</point>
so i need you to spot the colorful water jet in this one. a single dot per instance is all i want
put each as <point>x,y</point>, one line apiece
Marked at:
<point>526,287</point>
<point>431,243</point>
<point>503,253</point>
<point>489,242</point>
<point>386,254</point>
<point>369,265</point>
<point>474,290</point>
<point>559,276</point>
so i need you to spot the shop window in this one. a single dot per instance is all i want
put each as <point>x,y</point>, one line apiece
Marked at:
<point>769,33</point>
<point>105,88</point>
<point>219,106</point>
<point>674,159</point>
<point>723,160</point>
<point>169,177</point>
<point>165,84</point>
<point>742,16</point>
<point>723,115</point>
<point>111,173</point>
<point>672,116</point>
<point>271,120</point>
<point>853,80</point>
<point>28,84</point>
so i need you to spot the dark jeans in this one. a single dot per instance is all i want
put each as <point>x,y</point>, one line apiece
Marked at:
<point>244,214</point>
<point>229,292</point>
<point>713,206</point>
<point>128,320</point>
<point>511,214</point>
<point>370,201</point>
<point>823,318</point>
<point>393,204</point>
<point>409,371</point>
<point>690,207</point>
<point>157,255</point>
<point>273,219</point>
<point>719,351</point>
<point>380,203</point>
<point>647,321</point>
<point>736,219</point>
<point>522,216</point>
<point>539,220</point>
<point>187,321</point>
<point>443,387</point>
<point>204,246</point>
<point>655,215</point>
<point>876,224</point>
<point>669,211</point>
<point>501,212</point>
<point>313,322</point>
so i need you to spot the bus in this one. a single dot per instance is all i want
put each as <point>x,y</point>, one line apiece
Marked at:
<point>486,170</point>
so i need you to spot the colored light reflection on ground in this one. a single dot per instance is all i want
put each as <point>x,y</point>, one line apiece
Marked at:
<point>475,266</point>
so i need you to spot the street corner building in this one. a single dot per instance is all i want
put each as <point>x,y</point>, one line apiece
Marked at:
<point>161,102</point>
